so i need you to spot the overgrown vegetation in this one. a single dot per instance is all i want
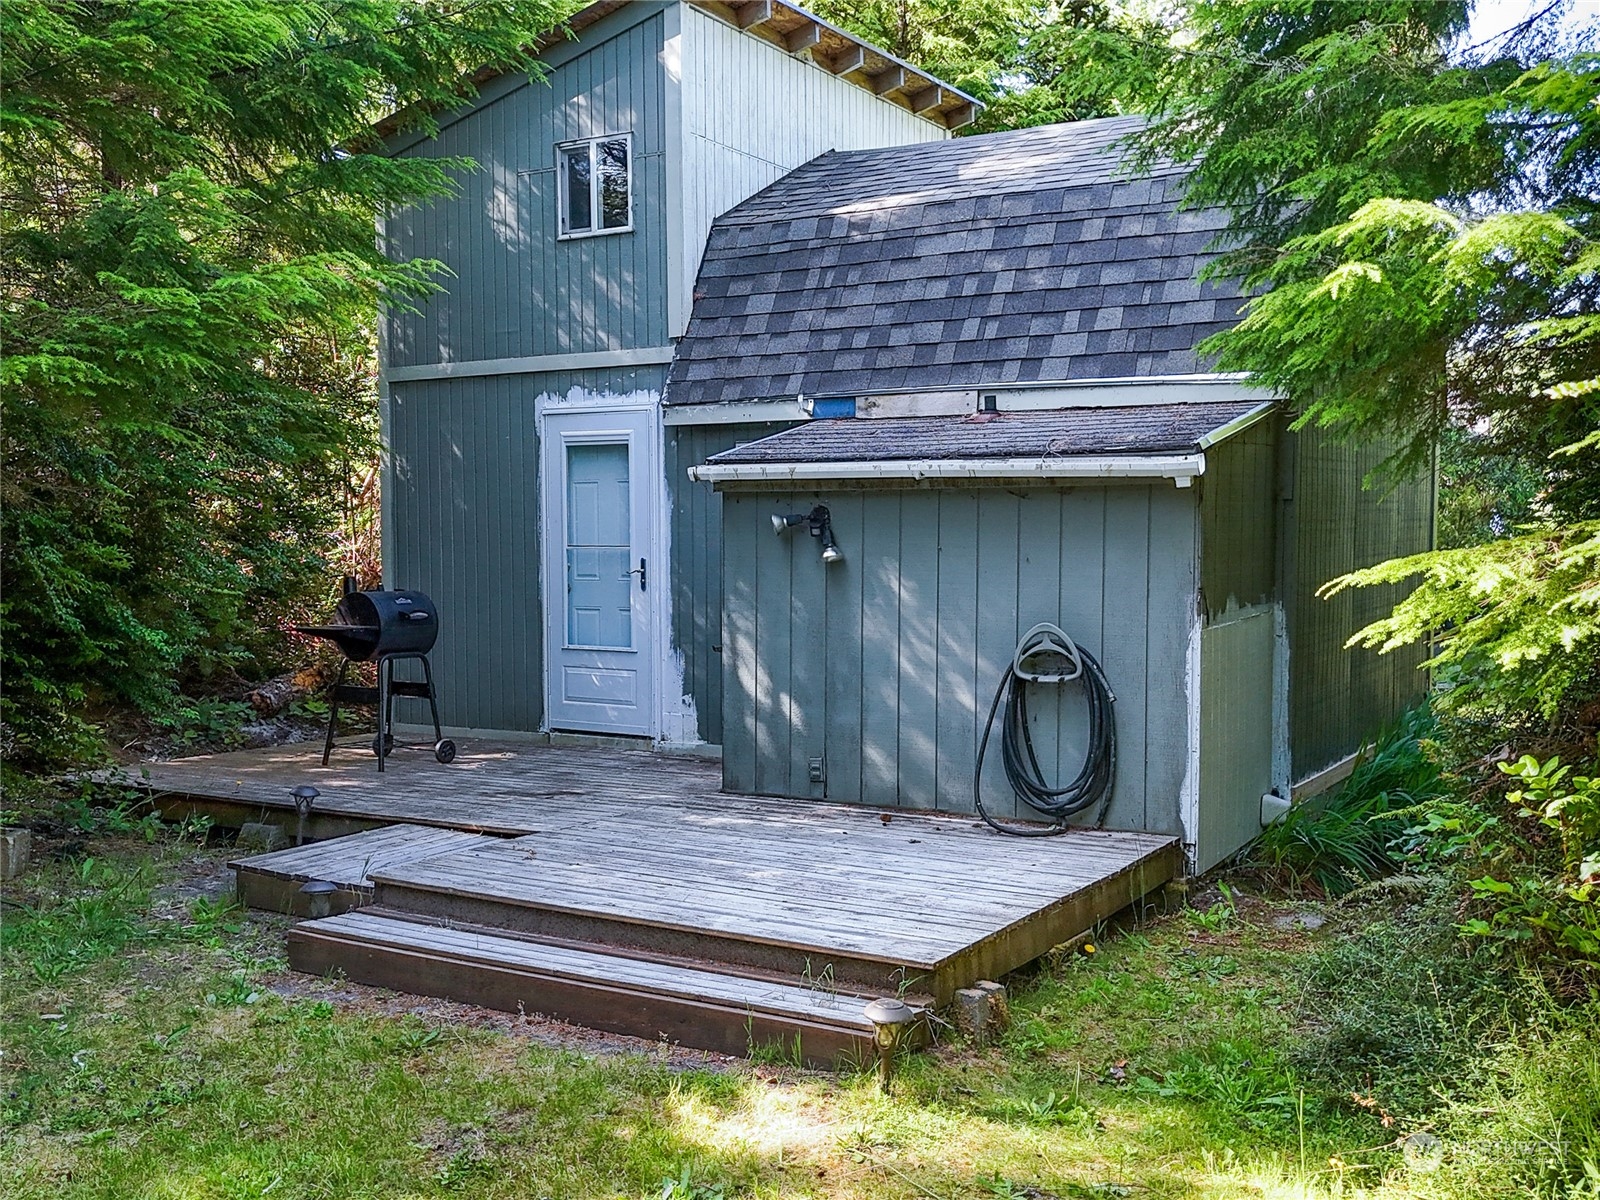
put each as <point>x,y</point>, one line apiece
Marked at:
<point>1335,843</point>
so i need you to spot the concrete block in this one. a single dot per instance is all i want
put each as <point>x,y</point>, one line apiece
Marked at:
<point>1173,896</point>
<point>968,1014</point>
<point>981,1012</point>
<point>999,1005</point>
<point>262,836</point>
<point>16,848</point>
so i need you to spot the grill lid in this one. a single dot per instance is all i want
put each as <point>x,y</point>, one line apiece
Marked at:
<point>376,624</point>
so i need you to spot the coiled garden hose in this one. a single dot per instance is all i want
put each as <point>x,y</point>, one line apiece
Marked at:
<point>1093,783</point>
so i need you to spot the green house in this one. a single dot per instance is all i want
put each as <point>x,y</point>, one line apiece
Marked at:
<point>726,263</point>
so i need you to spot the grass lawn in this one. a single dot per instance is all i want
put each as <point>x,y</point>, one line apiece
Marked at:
<point>155,1045</point>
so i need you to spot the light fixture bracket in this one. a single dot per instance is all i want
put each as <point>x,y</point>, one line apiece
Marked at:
<point>818,523</point>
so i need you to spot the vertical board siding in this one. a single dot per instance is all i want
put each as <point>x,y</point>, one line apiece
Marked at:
<point>1238,533</point>
<point>515,289</point>
<point>884,665</point>
<point>1239,583</point>
<point>695,556</point>
<point>1338,697</point>
<point>464,467</point>
<point>463,479</point>
<point>1235,733</point>
<point>752,112</point>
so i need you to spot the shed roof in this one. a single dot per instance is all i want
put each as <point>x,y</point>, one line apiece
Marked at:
<point>1053,433</point>
<point>1030,255</point>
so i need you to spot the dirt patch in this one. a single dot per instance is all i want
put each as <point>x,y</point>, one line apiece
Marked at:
<point>534,1027</point>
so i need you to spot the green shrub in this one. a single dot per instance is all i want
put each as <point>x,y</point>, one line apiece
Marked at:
<point>1333,845</point>
<point>1542,879</point>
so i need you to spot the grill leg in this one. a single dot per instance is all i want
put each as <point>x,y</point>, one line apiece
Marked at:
<point>433,700</point>
<point>333,711</point>
<point>385,702</point>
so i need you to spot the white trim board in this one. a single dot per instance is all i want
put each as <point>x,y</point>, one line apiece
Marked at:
<point>1182,469</point>
<point>1120,392</point>
<point>736,413</point>
<point>585,360</point>
<point>1326,779</point>
<point>1115,392</point>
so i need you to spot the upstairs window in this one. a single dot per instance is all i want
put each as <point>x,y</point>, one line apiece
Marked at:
<point>595,181</point>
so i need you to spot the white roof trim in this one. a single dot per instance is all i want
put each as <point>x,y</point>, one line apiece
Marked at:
<point>1180,468</point>
<point>1234,426</point>
<point>734,412</point>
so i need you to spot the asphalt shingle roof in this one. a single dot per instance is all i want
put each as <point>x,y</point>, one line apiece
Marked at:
<point>980,261</point>
<point>1131,429</point>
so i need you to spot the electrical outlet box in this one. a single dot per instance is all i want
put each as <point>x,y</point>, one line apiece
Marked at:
<point>817,775</point>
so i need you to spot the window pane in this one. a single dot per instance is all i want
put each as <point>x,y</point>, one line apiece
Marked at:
<point>579,214</point>
<point>599,547</point>
<point>613,184</point>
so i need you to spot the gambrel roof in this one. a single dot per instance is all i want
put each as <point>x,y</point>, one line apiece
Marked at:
<point>1018,257</point>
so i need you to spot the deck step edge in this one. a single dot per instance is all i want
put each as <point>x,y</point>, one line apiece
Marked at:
<point>584,967</point>
<point>637,954</point>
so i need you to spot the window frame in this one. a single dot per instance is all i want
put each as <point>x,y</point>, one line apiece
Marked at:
<point>563,209</point>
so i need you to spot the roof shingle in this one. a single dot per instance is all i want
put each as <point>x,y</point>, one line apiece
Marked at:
<point>948,242</point>
<point>1139,429</point>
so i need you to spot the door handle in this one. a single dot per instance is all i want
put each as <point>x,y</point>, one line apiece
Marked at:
<point>642,574</point>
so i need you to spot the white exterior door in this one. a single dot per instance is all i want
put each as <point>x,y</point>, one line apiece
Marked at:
<point>599,632</point>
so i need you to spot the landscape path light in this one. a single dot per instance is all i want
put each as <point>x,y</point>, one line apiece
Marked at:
<point>303,796</point>
<point>890,1018</point>
<point>319,897</point>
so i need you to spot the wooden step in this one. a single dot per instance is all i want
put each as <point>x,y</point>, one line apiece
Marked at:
<point>741,931</point>
<point>594,986</point>
<point>272,881</point>
<point>876,922</point>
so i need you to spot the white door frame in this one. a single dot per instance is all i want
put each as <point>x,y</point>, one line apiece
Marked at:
<point>654,535</point>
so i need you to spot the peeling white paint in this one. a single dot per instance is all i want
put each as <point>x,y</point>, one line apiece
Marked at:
<point>1189,792</point>
<point>1282,767</point>
<point>592,401</point>
<point>679,718</point>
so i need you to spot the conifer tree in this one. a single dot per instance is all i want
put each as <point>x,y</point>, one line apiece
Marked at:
<point>187,203</point>
<point>1421,221</point>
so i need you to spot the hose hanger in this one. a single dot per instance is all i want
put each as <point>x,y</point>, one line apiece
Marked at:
<point>1046,656</point>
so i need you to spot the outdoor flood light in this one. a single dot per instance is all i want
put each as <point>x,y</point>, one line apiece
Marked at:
<point>319,897</point>
<point>890,1019</point>
<point>303,797</point>
<point>819,523</point>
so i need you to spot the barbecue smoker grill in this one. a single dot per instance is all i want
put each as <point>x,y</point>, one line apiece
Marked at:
<point>383,628</point>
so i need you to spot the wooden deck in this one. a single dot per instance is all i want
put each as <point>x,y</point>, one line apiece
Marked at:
<point>640,857</point>
<point>273,881</point>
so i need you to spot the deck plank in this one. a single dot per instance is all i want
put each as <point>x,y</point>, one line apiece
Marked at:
<point>350,861</point>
